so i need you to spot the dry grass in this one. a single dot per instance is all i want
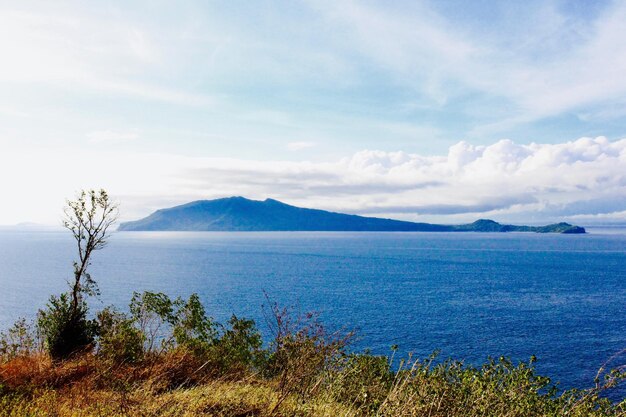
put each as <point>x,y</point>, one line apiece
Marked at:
<point>174,385</point>
<point>86,387</point>
<point>213,399</point>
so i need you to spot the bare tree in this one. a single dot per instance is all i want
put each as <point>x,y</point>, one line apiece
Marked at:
<point>89,218</point>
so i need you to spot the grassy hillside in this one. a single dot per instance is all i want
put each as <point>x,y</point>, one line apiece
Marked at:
<point>162,361</point>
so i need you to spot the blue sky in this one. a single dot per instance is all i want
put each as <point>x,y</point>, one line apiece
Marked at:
<point>176,99</point>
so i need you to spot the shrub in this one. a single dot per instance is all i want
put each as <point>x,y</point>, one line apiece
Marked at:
<point>193,329</point>
<point>239,346</point>
<point>155,315</point>
<point>497,388</point>
<point>170,325</point>
<point>19,340</point>
<point>301,352</point>
<point>64,328</point>
<point>119,340</point>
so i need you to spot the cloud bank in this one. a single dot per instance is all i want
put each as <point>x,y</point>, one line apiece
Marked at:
<point>581,180</point>
<point>534,182</point>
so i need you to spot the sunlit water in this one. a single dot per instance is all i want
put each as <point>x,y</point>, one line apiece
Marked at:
<point>470,295</point>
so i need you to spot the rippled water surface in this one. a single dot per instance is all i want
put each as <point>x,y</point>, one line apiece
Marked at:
<point>559,297</point>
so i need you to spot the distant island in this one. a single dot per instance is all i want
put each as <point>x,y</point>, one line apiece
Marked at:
<point>241,214</point>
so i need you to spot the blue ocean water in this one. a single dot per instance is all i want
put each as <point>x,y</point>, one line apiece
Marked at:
<point>470,295</point>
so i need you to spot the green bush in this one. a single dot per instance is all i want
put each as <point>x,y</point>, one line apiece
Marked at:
<point>169,324</point>
<point>65,331</point>
<point>155,315</point>
<point>19,340</point>
<point>118,338</point>
<point>239,346</point>
<point>193,329</point>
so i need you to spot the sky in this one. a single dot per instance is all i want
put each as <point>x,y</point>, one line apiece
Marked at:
<point>444,111</point>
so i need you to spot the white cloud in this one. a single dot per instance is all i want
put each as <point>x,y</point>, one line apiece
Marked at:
<point>505,180</point>
<point>549,65</point>
<point>86,53</point>
<point>614,216</point>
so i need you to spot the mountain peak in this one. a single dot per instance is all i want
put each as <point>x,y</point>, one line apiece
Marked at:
<point>485,221</point>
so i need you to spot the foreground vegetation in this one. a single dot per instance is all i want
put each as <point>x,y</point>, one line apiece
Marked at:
<point>167,357</point>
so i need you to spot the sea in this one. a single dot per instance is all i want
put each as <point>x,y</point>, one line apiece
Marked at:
<point>469,296</point>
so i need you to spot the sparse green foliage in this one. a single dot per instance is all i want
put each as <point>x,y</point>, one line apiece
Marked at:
<point>63,324</point>
<point>64,328</point>
<point>89,218</point>
<point>155,315</point>
<point>177,323</point>
<point>239,346</point>
<point>19,340</point>
<point>118,338</point>
<point>193,329</point>
<point>301,353</point>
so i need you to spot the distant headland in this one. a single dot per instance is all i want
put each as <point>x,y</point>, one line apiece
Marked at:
<point>242,214</point>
